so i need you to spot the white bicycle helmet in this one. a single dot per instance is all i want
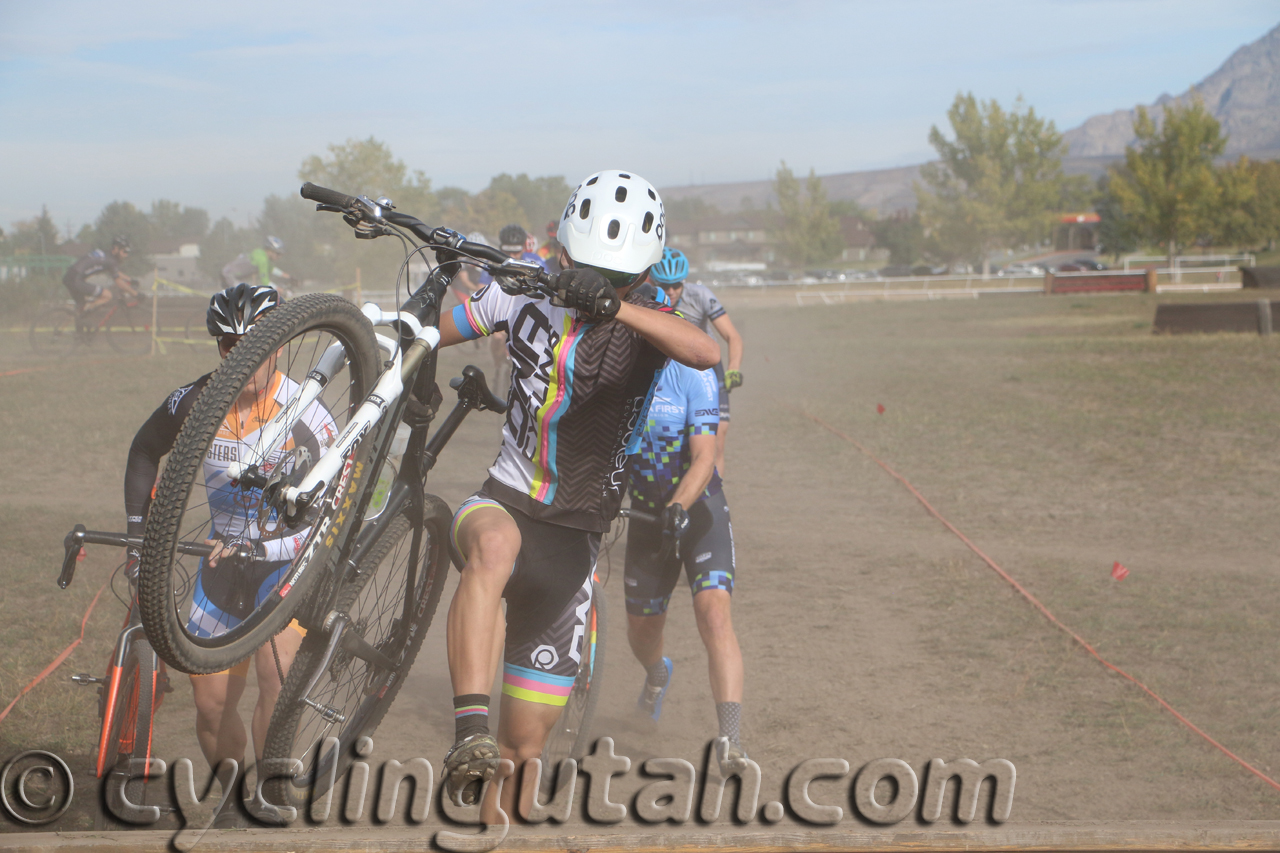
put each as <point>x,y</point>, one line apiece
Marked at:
<point>614,220</point>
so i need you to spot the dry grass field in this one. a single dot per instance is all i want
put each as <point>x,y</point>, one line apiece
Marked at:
<point>1057,432</point>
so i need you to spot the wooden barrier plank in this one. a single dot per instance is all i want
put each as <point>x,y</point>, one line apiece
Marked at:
<point>1212,317</point>
<point>1067,836</point>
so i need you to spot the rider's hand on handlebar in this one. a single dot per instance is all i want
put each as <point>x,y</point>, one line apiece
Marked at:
<point>675,524</point>
<point>587,291</point>
<point>231,550</point>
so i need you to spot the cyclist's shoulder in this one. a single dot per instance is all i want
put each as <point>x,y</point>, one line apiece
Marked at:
<point>187,394</point>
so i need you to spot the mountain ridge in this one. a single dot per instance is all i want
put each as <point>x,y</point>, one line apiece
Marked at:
<point>1243,94</point>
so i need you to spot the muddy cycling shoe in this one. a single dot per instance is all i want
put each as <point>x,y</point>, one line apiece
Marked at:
<point>731,757</point>
<point>470,763</point>
<point>650,701</point>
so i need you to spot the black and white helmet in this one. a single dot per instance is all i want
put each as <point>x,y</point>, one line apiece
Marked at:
<point>234,311</point>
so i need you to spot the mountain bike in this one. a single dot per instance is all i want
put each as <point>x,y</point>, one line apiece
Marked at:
<point>129,693</point>
<point>59,329</point>
<point>317,395</point>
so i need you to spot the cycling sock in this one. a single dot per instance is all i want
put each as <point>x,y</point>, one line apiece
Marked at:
<point>730,716</point>
<point>657,674</point>
<point>470,715</point>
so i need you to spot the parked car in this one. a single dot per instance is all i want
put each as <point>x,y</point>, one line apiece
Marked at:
<point>1085,265</point>
<point>895,271</point>
<point>1021,268</point>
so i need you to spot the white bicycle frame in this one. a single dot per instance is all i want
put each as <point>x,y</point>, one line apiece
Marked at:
<point>385,393</point>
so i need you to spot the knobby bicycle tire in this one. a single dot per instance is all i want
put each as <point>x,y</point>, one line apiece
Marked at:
<point>290,339</point>
<point>361,692</point>
<point>53,332</point>
<point>571,736</point>
<point>127,727</point>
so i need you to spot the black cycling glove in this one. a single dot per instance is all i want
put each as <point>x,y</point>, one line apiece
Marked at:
<point>675,524</point>
<point>587,291</point>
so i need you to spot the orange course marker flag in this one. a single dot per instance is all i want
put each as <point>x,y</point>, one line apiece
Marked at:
<point>1119,572</point>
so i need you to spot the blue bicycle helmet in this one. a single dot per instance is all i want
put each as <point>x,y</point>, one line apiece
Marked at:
<point>672,269</point>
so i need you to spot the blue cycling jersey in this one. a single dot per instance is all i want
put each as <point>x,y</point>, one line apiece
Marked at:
<point>685,402</point>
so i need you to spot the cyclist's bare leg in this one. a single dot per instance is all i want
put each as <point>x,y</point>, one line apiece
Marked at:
<point>724,657</point>
<point>490,539</point>
<point>219,728</point>
<point>287,643</point>
<point>101,299</point>
<point>523,728</point>
<point>644,633</point>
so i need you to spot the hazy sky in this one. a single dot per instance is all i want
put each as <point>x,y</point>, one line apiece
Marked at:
<point>216,104</point>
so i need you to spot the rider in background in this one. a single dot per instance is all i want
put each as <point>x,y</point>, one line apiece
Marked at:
<point>673,476</point>
<point>514,241</point>
<point>697,304</point>
<point>99,263</point>
<point>259,266</point>
<point>550,251</point>
<point>228,585</point>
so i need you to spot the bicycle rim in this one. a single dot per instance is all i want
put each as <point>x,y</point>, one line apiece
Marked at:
<point>571,736</point>
<point>203,618</point>
<point>361,692</point>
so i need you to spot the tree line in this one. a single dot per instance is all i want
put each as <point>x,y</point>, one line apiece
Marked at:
<point>318,246</point>
<point>998,184</point>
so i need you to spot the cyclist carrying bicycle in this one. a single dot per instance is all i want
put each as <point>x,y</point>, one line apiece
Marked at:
<point>90,295</point>
<point>584,365</point>
<point>259,266</point>
<point>248,555</point>
<point>674,469</point>
<point>697,304</point>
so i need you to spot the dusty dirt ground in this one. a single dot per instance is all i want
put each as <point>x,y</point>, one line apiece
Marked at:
<point>1056,432</point>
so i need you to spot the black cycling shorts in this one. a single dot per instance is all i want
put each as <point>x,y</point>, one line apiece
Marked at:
<point>548,604</point>
<point>724,392</point>
<point>706,555</point>
<point>81,289</point>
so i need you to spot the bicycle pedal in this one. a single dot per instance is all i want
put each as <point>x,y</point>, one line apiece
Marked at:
<point>84,679</point>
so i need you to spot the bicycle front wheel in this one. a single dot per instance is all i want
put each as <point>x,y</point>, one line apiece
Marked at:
<point>53,332</point>
<point>129,331</point>
<point>300,374</point>
<point>354,693</point>
<point>571,736</point>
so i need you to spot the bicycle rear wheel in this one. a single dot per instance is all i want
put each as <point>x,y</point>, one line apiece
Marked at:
<point>129,330</point>
<point>53,332</point>
<point>571,737</point>
<point>128,715</point>
<point>358,691</point>
<point>204,618</point>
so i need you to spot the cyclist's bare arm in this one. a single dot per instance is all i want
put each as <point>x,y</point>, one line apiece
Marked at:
<point>702,463</point>
<point>724,326</point>
<point>673,336</point>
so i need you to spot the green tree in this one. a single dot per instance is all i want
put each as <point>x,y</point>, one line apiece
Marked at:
<point>902,235</point>
<point>222,243</point>
<point>35,236</point>
<point>1249,212</point>
<point>122,219</point>
<point>997,184</point>
<point>541,200</point>
<point>1168,186</point>
<point>172,224</point>
<point>809,233</point>
<point>359,167</point>
<point>1117,232</point>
